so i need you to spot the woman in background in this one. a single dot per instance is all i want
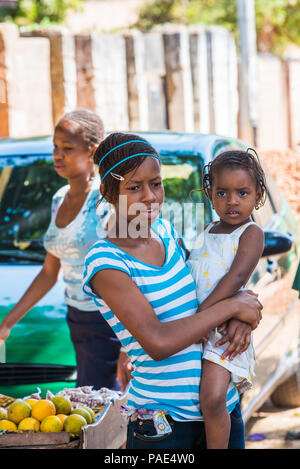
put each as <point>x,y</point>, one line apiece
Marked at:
<point>75,225</point>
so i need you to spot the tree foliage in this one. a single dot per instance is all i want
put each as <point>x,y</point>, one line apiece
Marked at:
<point>28,12</point>
<point>277,21</point>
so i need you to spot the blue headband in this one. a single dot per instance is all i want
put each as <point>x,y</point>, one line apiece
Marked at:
<point>128,158</point>
<point>121,145</point>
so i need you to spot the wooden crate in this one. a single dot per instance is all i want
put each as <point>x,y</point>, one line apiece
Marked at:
<point>109,431</point>
<point>38,441</point>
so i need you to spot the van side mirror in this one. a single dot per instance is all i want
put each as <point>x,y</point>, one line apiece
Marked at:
<point>277,242</point>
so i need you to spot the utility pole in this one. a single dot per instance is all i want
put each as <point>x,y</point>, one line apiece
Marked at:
<point>248,107</point>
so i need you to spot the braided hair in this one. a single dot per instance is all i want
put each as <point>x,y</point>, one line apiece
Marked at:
<point>115,155</point>
<point>91,125</point>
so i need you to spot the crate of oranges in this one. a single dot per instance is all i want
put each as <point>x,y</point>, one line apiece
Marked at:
<point>40,422</point>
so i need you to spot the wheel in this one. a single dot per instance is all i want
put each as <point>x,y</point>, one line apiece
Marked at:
<point>287,394</point>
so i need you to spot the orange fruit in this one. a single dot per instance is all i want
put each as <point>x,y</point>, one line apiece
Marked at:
<point>3,413</point>
<point>42,409</point>
<point>51,424</point>
<point>62,404</point>
<point>18,411</point>
<point>29,424</point>
<point>73,424</point>
<point>32,401</point>
<point>8,425</point>
<point>62,417</point>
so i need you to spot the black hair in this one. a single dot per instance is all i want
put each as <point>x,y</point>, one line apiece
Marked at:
<point>91,125</point>
<point>111,184</point>
<point>236,159</point>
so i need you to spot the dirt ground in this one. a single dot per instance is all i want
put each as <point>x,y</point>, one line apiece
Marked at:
<point>285,169</point>
<point>273,423</point>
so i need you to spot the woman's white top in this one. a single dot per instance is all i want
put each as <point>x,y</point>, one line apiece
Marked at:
<point>71,243</point>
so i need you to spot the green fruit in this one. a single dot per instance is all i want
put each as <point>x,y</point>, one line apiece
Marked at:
<point>62,405</point>
<point>18,411</point>
<point>84,413</point>
<point>73,424</point>
<point>92,413</point>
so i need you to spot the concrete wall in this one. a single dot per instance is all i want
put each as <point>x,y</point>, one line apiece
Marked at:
<point>182,79</point>
<point>146,71</point>
<point>294,100</point>
<point>200,72</point>
<point>222,69</point>
<point>85,72</point>
<point>179,87</point>
<point>110,82</point>
<point>272,130</point>
<point>25,84</point>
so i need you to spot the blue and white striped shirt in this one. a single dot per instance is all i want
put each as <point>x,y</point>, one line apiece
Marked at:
<point>171,384</point>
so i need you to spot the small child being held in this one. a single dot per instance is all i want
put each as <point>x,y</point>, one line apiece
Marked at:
<point>221,265</point>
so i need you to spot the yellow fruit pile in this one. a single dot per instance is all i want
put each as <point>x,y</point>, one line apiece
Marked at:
<point>44,415</point>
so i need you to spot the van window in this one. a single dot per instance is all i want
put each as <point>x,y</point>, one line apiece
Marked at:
<point>26,192</point>
<point>25,196</point>
<point>185,205</point>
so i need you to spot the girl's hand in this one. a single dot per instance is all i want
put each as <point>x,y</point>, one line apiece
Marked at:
<point>124,370</point>
<point>4,333</point>
<point>203,339</point>
<point>248,307</point>
<point>222,327</point>
<point>239,335</point>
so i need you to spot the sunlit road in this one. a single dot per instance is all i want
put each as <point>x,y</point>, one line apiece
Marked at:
<point>273,423</point>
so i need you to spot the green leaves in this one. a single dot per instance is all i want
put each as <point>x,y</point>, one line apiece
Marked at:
<point>277,21</point>
<point>30,12</point>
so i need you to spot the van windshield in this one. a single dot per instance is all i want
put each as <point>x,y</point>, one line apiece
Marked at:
<point>185,205</point>
<point>25,200</point>
<point>26,191</point>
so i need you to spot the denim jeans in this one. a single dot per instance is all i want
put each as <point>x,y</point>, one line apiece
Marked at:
<point>97,349</point>
<point>237,432</point>
<point>185,435</point>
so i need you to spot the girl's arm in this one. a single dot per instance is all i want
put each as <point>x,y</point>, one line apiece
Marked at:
<point>180,242</point>
<point>251,246</point>
<point>163,339</point>
<point>42,283</point>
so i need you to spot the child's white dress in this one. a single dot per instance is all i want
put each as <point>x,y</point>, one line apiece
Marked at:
<point>210,259</point>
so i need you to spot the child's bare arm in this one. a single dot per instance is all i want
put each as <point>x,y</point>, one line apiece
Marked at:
<point>250,249</point>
